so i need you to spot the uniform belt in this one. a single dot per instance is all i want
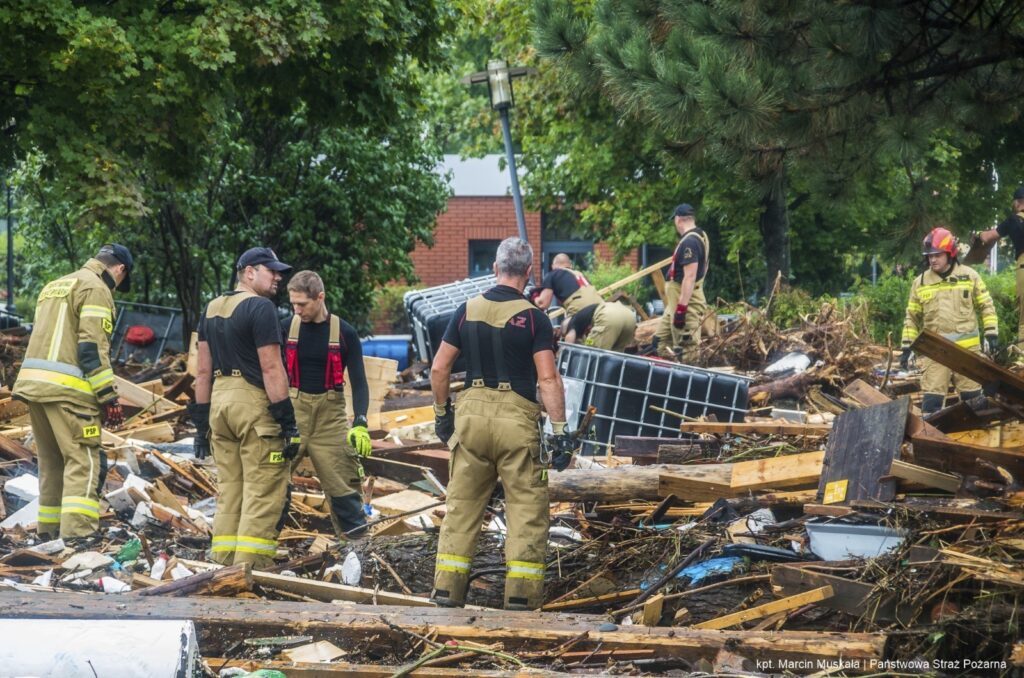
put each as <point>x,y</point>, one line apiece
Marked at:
<point>234,373</point>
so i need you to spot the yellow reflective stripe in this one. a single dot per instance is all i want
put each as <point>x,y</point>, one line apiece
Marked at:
<point>58,333</point>
<point>101,379</point>
<point>258,550</point>
<point>450,562</point>
<point>49,514</point>
<point>989,320</point>
<point>82,505</point>
<point>56,378</point>
<point>256,545</point>
<point>81,500</point>
<point>969,342</point>
<point>521,569</point>
<point>257,540</point>
<point>90,311</point>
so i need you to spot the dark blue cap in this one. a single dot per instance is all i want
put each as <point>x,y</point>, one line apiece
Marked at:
<point>121,253</point>
<point>262,256</point>
<point>1019,193</point>
<point>684,210</point>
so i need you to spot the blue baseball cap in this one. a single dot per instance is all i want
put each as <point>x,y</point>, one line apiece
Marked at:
<point>121,253</point>
<point>684,210</point>
<point>262,256</point>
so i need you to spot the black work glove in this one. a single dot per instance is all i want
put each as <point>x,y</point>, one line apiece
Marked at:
<point>284,414</point>
<point>200,413</point>
<point>992,345</point>
<point>905,359</point>
<point>113,415</point>
<point>562,446</point>
<point>444,421</point>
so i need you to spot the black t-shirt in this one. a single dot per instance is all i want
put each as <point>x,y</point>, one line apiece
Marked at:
<point>562,282</point>
<point>690,250</point>
<point>526,333</point>
<point>234,341</point>
<point>582,321</point>
<point>313,339</point>
<point>1013,227</point>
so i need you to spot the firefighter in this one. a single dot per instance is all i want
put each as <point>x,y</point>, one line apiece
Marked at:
<point>320,347</point>
<point>68,383</point>
<point>678,335</point>
<point>242,411</point>
<point>493,432</point>
<point>946,299</point>
<point>1013,228</point>
<point>607,325</point>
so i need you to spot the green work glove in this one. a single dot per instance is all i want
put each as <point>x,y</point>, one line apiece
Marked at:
<point>359,437</point>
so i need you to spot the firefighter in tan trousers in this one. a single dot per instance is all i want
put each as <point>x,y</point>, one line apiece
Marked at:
<point>946,299</point>
<point>242,410</point>
<point>607,325</point>
<point>320,348</point>
<point>68,383</point>
<point>1013,228</point>
<point>492,432</point>
<point>678,335</point>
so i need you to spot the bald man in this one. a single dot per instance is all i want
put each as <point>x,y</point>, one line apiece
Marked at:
<point>606,325</point>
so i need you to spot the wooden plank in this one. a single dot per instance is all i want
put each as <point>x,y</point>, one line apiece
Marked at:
<point>925,476</point>
<point>154,433</point>
<point>223,621</point>
<point>12,450</point>
<point>860,452</point>
<point>11,408</point>
<point>866,395</point>
<point>329,592</point>
<point>782,605</point>
<point>761,428</point>
<point>788,471</point>
<point>830,510</point>
<point>436,459</point>
<point>706,482</point>
<point>650,615</point>
<point>851,597</point>
<point>154,386</point>
<point>323,670</point>
<point>971,365</point>
<point>226,581</point>
<point>386,421</point>
<point>603,599</point>
<point>953,456</point>
<point>192,362</point>
<point>394,470</point>
<point>140,397</point>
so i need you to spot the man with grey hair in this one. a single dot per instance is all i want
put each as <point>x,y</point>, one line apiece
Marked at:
<point>507,342</point>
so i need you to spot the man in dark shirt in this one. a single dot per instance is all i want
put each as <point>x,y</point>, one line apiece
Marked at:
<point>493,432</point>
<point>678,335</point>
<point>243,411</point>
<point>1013,228</point>
<point>320,348</point>
<point>607,325</point>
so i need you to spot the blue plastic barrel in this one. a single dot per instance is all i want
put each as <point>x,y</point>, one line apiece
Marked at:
<point>393,346</point>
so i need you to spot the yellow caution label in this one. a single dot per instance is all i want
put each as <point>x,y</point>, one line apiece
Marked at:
<point>108,326</point>
<point>90,431</point>
<point>277,457</point>
<point>835,491</point>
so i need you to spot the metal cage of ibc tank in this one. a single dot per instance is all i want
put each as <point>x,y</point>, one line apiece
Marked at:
<point>624,387</point>
<point>430,310</point>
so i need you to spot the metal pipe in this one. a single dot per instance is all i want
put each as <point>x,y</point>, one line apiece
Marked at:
<point>10,253</point>
<point>517,198</point>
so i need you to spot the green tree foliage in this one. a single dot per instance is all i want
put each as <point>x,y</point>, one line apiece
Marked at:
<point>192,130</point>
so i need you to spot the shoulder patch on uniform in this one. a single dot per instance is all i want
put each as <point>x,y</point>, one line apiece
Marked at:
<point>688,252</point>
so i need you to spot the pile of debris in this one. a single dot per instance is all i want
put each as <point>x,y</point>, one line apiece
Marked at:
<point>859,540</point>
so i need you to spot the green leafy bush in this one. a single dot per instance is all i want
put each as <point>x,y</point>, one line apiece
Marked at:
<point>388,313</point>
<point>602,273</point>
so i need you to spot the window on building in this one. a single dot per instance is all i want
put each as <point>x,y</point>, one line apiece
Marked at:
<point>481,257</point>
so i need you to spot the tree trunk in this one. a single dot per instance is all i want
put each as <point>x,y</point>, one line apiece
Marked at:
<point>774,226</point>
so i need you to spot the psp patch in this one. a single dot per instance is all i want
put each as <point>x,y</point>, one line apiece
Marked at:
<point>276,457</point>
<point>90,431</point>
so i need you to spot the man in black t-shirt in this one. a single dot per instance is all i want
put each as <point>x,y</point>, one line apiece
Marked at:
<point>678,334</point>
<point>320,348</point>
<point>493,431</point>
<point>243,412</point>
<point>1013,228</point>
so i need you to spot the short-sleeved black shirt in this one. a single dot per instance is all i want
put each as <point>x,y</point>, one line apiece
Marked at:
<point>526,333</point>
<point>582,321</point>
<point>313,339</point>
<point>234,341</point>
<point>689,250</point>
<point>562,282</point>
<point>1013,227</point>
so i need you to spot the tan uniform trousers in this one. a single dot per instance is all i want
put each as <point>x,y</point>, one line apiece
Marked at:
<point>252,474</point>
<point>495,437</point>
<point>72,468</point>
<point>936,377</point>
<point>323,426</point>
<point>612,328</point>
<point>687,339</point>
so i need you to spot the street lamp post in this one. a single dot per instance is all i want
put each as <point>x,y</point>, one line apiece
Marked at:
<point>10,252</point>
<point>498,77</point>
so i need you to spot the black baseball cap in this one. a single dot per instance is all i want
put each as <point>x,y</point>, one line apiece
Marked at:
<point>684,210</point>
<point>1019,193</point>
<point>121,253</point>
<point>262,255</point>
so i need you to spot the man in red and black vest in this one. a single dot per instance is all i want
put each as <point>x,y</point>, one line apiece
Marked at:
<point>319,348</point>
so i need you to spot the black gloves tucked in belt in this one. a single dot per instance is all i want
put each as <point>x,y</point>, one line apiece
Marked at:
<point>200,414</point>
<point>444,421</point>
<point>284,414</point>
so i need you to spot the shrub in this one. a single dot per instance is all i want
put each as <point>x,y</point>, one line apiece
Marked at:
<point>388,313</point>
<point>603,273</point>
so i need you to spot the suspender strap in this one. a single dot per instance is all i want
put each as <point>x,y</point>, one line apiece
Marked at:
<point>476,369</point>
<point>498,347</point>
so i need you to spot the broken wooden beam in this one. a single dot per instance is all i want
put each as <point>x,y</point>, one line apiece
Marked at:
<point>225,582</point>
<point>972,365</point>
<point>868,395</point>
<point>12,450</point>
<point>925,476</point>
<point>953,456</point>
<point>329,592</point>
<point>708,482</point>
<point>786,604</point>
<point>852,597</point>
<point>223,621</point>
<point>325,670</point>
<point>665,450</point>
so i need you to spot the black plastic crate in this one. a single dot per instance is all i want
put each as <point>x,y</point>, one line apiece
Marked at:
<point>624,387</point>
<point>430,310</point>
